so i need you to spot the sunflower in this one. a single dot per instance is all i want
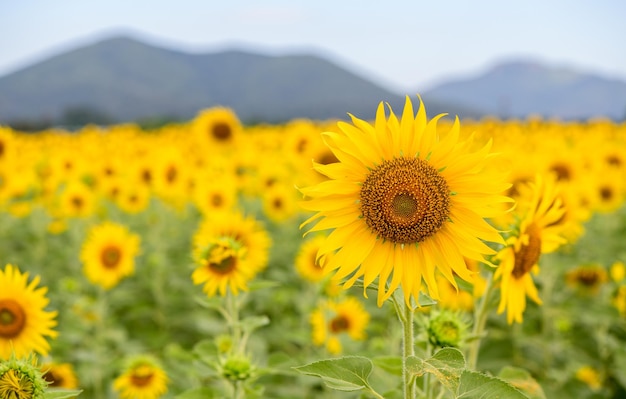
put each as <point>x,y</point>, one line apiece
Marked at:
<point>587,279</point>
<point>215,193</point>
<point>144,378</point>
<point>222,264</point>
<point>217,126</point>
<point>404,203</point>
<point>279,203</point>
<point>77,200</point>
<point>306,261</point>
<point>24,324</point>
<point>108,254</point>
<point>332,319</point>
<point>539,232</point>
<point>245,231</point>
<point>21,379</point>
<point>59,375</point>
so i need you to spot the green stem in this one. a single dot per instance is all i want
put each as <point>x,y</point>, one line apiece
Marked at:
<point>480,320</point>
<point>405,314</point>
<point>232,308</point>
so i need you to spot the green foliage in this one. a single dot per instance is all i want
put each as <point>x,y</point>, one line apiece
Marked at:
<point>348,373</point>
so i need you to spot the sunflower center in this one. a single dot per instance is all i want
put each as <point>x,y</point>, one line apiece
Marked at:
<point>12,318</point>
<point>217,200</point>
<point>221,131</point>
<point>528,254</point>
<point>606,193</point>
<point>225,266</point>
<point>588,278</point>
<point>140,379</point>
<point>339,323</point>
<point>563,172</point>
<point>52,379</point>
<point>14,385</point>
<point>110,256</point>
<point>405,200</point>
<point>171,173</point>
<point>77,202</point>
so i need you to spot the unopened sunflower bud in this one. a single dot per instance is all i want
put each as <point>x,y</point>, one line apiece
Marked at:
<point>21,379</point>
<point>446,329</point>
<point>237,368</point>
<point>224,343</point>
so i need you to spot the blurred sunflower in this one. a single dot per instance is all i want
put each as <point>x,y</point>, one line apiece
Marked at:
<point>332,319</point>
<point>77,200</point>
<point>218,126</point>
<point>59,375</point>
<point>215,193</point>
<point>538,233</point>
<point>403,203</point>
<point>24,324</point>
<point>143,378</point>
<point>222,264</point>
<point>108,254</point>
<point>280,203</point>
<point>245,231</point>
<point>587,279</point>
<point>306,262</point>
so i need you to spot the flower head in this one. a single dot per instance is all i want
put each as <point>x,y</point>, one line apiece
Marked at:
<point>332,319</point>
<point>21,379</point>
<point>24,324</point>
<point>538,233</point>
<point>404,202</point>
<point>143,378</point>
<point>108,254</point>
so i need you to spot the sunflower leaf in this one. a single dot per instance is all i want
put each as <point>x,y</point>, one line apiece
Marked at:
<point>475,385</point>
<point>447,365</point>
<point>348,373</point>
<point>522,380</point>
<point>55,393</point>
<point>251,323</point>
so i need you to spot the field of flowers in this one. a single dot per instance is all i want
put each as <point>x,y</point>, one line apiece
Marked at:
<point>485,259</point>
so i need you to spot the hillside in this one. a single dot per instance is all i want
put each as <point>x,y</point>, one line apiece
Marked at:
<point>522,88</point>
<point>122,79</point>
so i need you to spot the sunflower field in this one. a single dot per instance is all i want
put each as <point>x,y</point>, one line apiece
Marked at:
<point>396,256</point>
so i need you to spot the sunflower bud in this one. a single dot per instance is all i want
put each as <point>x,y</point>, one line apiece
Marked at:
<point>21,379</point>
<point>224,343</point>
<point>236,368</point>
<point>446,329</point>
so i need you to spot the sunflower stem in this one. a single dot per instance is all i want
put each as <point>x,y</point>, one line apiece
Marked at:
<point>232,308</point>
<point>480,320</point>
<point>408,348</point>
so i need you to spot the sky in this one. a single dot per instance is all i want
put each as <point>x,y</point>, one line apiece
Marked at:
<point>402,45</point>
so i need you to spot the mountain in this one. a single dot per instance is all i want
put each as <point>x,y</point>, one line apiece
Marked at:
<point>123,79</point>
<point>522,88</point>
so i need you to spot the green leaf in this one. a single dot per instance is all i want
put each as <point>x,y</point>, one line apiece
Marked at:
<point>619,365</point>
<point>344,374</point>
<point>262,284</point>
<point>55,393</point>
<point>391,364</point>
<point>522,380</point>
<point>206,350</point>
<point>447,365</point>
<point>424,300</point>
<point>215,303</point>
<point>251,323</point>
<point>475,385</point>
<point>197,393</point>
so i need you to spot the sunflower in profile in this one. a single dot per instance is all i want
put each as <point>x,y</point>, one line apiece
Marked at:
<point>108,254</point>
<point>306,262</point>
<point>25,325</point>
<point>404,202</point>
<point>59,375</point>
<point>143,378</point>
<point>217,126</point>
<point>539,232</point>
<point>333,319</point>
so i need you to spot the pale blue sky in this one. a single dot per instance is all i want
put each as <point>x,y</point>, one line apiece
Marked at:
<point>404,45</point>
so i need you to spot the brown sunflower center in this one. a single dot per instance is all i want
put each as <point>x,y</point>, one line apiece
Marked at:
<point>339,323</point>
<point>528,254</point>
<point>16,385</point>
<point>606,193</point>
<point>563,171</point>
<point>225,266</point>
<point>221,131</point>
<point>12,318</point>
<point>110,256</point>
<point>588,278</point>
<point>217,200</point>
<point>141,380</point>
<point>53,379</point>
<point>171,173</point>
<point>405,200</point>
<point>77,202</point>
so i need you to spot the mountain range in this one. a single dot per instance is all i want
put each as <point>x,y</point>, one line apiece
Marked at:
<point>123,79</point>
